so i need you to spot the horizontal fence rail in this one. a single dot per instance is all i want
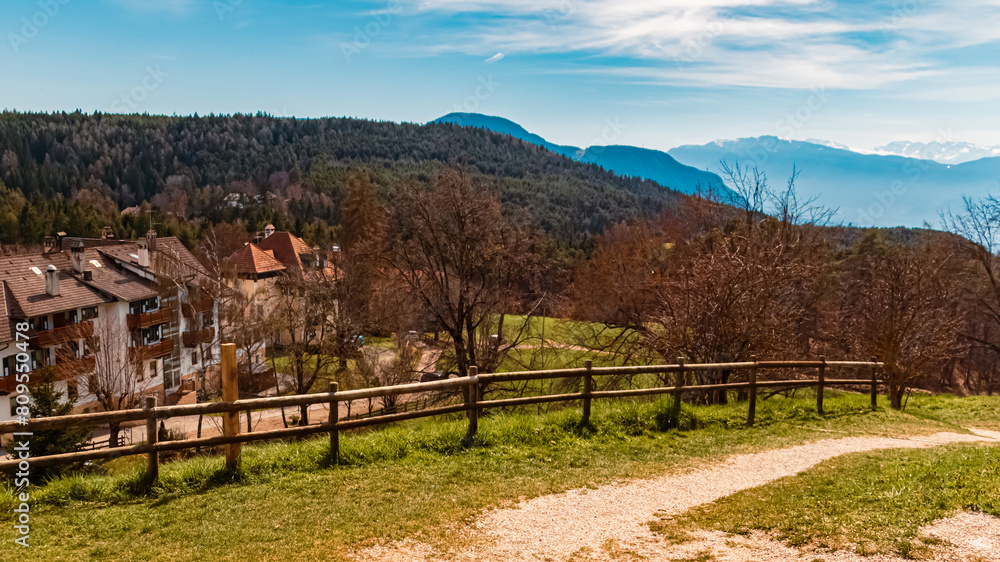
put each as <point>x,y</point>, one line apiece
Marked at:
<point>470,389</point>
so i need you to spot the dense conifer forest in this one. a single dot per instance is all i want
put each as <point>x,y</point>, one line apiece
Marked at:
<point>75,172</point>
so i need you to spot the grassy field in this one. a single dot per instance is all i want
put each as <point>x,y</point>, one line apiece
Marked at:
<point>871,503</point>
<point>417,479</point>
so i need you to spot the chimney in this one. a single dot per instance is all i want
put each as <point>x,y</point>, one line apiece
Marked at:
<point>268,230</point>
<point>143,254</point>
<point>151,240</point>
<point>76,257</point>
<point>52,281</point>
<point>107,233</point>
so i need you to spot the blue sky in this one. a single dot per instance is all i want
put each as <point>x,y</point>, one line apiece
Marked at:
<point>656,73</point>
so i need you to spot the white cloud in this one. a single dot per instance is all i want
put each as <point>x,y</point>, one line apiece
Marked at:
<point>762,43</point>
<point>495,58</point>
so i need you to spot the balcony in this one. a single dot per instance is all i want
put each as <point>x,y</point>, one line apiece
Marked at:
<point>164,347</point>
<point>197,306</point>
<point>9,383</point>
<point>70,368</point>
<point>195,337</point>
<point>55,336</point>
<point>67,369</point>
<point>160,316</point>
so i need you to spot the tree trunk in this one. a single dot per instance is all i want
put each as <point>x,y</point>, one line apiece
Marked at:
<point>249,428</point>
<point>113,430</point>
<point>304,417</point>
<point>896,397</point>
<point>722,396</point>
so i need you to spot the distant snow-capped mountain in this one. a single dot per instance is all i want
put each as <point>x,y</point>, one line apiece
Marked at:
<point>949,152</point>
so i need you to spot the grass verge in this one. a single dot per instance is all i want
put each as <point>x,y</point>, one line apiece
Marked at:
<point>871,503</point>
<point>413,479</point>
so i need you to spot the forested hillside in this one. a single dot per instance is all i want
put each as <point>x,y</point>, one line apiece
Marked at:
<point>75,172</point>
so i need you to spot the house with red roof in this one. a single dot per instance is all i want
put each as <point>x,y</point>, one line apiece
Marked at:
<point>155,288</point>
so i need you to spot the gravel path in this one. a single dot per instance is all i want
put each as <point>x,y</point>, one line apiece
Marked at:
<point>610,522</point>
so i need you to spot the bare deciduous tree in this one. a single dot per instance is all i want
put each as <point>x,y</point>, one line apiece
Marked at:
<point>463,259</point>
<point>901,307</point>
<point>119,380</point>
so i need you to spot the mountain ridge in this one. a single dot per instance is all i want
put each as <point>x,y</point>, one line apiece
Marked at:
<point>624,160</point>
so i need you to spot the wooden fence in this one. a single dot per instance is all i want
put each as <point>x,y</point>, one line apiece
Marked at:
<point>470,388</point>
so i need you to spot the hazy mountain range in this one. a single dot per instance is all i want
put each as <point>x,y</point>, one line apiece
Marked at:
<point>950,152</point>
<point>890,187</point>
<point>623,160</point>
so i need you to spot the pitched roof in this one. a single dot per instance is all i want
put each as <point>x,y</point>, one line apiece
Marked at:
<point>113,281</point>
<point>170,257</point>
<point>251,260</point>
<point>7,322</point>
<point>287,248</point>
<point>28,287</point>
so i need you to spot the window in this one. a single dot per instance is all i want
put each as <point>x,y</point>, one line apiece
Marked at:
<point>67,318</point>
<point>152,369</point>
<point>207,320</point>
<point>9,365</point>
<point>39,323</point>
<point>151,335</point>
<point>89,313</point>
<point>194,357</point>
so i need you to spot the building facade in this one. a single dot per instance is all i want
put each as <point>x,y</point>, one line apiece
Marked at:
<point>152,296</point>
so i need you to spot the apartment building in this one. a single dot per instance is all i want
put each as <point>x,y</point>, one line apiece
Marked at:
<point>155,289</point>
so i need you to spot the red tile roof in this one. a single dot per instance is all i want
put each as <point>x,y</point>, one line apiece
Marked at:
<point>107,277</point>
<point>28,288</point>
<point>287,248</point>
<point>7,302</point>
<point>251,260</point>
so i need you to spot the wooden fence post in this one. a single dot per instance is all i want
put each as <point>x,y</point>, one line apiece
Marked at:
<point>874,384</point>
<point>334,433</point>
<point>473,399</point>
<point>588,388</point>
<point>230,393</point>
<point>752,412</point>
<point>153,458</point>
<point>821,385</point>
<point>678,393</point>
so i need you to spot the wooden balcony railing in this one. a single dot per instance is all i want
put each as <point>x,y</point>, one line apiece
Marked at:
<point>139,321</point>
<point>71,368</point>
<point>195,337</point>
<point>197,306</point>
<point>164,347</point>
<point>55,336</point>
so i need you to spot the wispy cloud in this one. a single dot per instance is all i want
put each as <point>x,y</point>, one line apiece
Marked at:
<point>495,58</point>
<point>759,43</point>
